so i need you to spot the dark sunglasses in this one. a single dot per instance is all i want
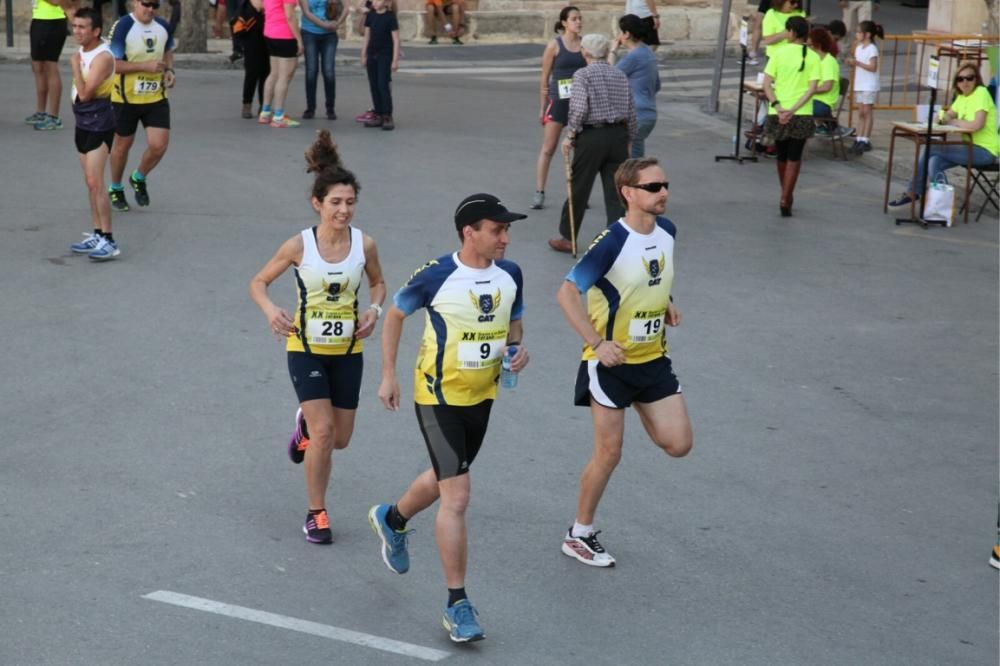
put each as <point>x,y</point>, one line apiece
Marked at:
<point>965,78</point>
<point>151,5</point>
<point>652,188</point>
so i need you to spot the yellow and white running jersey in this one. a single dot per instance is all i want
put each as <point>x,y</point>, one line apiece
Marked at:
<point>86,60</point>
<point>627,278</point>
<point>468,316</point>
<point>327,312</point>
<point>140,42</point>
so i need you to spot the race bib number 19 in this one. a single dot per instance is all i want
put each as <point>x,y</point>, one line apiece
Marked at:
<point>646,329</point>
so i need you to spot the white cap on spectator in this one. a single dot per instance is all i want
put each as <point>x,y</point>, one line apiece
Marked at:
<point>597,45</point>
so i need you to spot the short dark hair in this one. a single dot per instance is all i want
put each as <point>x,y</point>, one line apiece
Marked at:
<point>634,26</point>
<point>96,22</point>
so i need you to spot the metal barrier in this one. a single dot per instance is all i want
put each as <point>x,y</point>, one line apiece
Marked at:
<point>906,57</point>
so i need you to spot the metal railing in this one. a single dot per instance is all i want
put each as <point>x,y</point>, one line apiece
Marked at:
<point>905,58</point>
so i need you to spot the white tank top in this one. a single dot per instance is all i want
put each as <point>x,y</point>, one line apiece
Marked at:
<point>86,60</point>
<point>326,315</point>
<point>637,7</point>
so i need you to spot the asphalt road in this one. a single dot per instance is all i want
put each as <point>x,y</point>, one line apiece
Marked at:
<point>841,374</point>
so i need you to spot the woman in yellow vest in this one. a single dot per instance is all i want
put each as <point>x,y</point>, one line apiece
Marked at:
<point>790,80</point>
<point>323,338</point>
<point>972,110</point>
<point>47,35</point>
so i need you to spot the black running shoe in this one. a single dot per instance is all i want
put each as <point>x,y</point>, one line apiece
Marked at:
<point>118,201</point>
<point>317,527</point>
<point>141,195</point>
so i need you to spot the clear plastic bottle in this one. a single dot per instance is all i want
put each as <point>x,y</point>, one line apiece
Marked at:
<point>508,378</point>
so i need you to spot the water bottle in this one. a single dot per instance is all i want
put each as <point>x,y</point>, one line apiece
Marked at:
<point>447,27</point>
<point>508,378</point>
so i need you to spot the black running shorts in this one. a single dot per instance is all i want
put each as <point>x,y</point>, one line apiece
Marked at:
<point>327,377</point>
<point>88,141</point>
<point>47,37</point>
<point>557,110</point>
<point>282,48</point>
<point>453,435</point>
<point>620,386</point>
<point>652,35</point>
<point>128,116</point>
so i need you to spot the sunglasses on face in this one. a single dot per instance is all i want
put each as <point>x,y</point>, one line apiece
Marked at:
<point>150,5</point>
<point>964,78</point>
<point>652,188</point>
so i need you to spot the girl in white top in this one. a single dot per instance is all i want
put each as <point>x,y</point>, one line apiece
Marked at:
<point>866,81</point>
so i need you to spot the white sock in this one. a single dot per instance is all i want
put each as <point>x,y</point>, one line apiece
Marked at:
<point>863,139</point>
<point>579,530</point>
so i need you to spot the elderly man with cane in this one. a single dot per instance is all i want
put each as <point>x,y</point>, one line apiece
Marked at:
<point>602,123</point>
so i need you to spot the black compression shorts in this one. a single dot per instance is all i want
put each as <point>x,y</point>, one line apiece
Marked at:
<point>453,435</point>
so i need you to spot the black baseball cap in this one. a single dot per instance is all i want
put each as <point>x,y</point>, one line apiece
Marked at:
<point>481,206</point>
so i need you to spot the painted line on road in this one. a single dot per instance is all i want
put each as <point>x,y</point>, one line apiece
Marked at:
<point>295,624</point>
<point>916,233</point>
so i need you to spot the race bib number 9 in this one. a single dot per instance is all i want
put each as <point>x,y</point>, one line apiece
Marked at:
<point>565,88</point>
<point>479,355</point>
<point>646,329</point>
<point>145,85</point>
<point>329,329</point>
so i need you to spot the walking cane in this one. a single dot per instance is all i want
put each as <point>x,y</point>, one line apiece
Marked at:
<point>569,201</point>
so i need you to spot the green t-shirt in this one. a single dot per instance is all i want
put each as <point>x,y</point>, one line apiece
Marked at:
<point>791,78</point>
<point>967,106</point>
<point>42,10</point>
<point>774,21</point>
<point>829,70</point>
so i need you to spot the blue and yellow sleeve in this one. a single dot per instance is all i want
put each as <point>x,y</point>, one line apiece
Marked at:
<point>119,31</point>
<point>600,256</point>
<point>512,269</point>
<point>419,290</point>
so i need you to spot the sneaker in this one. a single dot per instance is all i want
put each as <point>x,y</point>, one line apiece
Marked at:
<point>331,114</point>
<point>587,549</point>
<point>36,117</point>
<point>308,114</point>
<point>904,199</point>
<point>246,112</point>
<point>376,121</point>
<point>394,552</point>
<point>433,40</point>
<point>387,124</point>
<point>866,146</point>
<point>105,250</point>
<point>139,187</point>
<point>538,201</point>
<point>456,41</point>
<point>461,623</point>
<point>48,123</point>
<point>299,442</point>
<point>317,527</point>
<point>366,116</point>
<point>88,244</point>
<point>264,118</point>
<point>118,200</point>
<point>284,122</point>
<point>752,59</point>
<point>995,557</point>
<point>822,130</point>
<point>846,131</point>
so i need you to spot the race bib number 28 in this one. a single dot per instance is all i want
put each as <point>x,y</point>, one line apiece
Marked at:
<point>329,331</point>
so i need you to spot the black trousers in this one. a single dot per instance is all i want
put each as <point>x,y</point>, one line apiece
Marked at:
<point>379,77</point>
<point>598,151</point>
<point>256,67</point>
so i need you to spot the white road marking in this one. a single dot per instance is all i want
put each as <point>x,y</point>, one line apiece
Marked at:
<point>294,624</point>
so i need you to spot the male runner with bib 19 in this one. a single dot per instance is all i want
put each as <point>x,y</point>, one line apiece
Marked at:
<point>324,338</point>
<point>626,277</point>
<point>474,302</point>
<point>144,63</point>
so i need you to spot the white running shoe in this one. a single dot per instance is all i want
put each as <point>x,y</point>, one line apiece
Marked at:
<point>587,550</point>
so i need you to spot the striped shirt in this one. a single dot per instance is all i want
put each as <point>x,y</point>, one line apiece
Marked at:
<point>601,95</point>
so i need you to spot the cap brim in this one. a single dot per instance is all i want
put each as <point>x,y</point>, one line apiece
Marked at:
<point>507,217</point>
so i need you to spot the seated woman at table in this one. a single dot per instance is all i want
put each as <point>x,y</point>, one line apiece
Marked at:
<point>828,90</point>
<point>972,110</point>
<point>790,81</point>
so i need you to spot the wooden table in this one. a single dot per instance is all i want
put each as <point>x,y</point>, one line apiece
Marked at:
<point>917,133</point>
